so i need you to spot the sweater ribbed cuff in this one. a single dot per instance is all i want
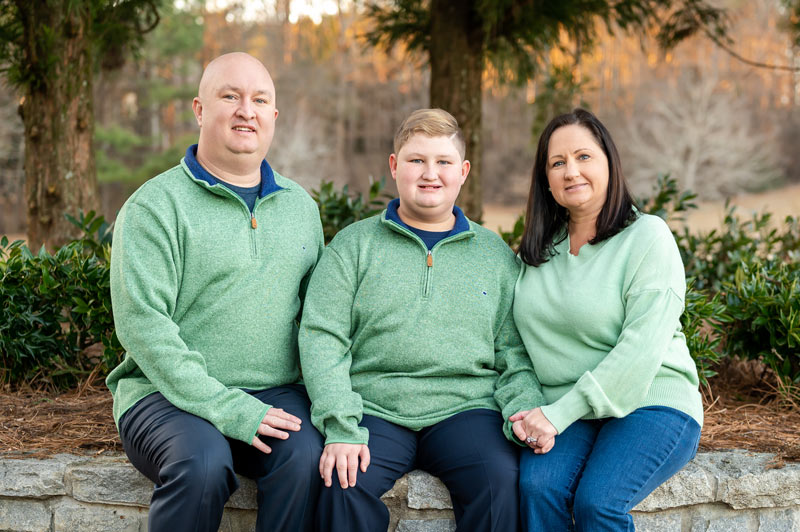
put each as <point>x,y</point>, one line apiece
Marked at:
<point>254,431</point>
<point>336,432</point>
<point>565,411</point>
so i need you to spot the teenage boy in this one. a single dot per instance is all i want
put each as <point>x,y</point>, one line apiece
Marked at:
<point>409,349</point>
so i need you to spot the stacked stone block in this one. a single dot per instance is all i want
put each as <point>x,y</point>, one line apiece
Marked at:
<point>717,491</point>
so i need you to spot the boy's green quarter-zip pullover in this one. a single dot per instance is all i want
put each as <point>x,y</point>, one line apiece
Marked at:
<point>411,337</point>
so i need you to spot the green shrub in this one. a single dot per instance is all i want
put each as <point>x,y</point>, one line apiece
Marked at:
<point>338,209</point>
<point>714,257</point>
<point>668,202</point>
<point>697,322</point>
<point>514,237</point>
<point>30,329</point>
<point>54,307</point>
<point>762,315</point>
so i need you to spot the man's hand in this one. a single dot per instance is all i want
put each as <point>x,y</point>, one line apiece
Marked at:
<point>275,419</point>
<point>345,457</point>
<point>533,424</point>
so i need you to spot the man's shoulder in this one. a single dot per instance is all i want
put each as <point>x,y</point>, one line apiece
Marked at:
<point>291,185</point>
<point>162,187</point>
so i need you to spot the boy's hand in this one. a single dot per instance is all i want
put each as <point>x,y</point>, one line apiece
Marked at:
<point>276,418</point>
<point>345,457</point>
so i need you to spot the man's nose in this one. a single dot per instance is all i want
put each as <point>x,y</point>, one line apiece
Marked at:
<point>246,109</point>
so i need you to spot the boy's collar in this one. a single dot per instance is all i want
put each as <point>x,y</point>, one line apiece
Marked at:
<point>461,225</point>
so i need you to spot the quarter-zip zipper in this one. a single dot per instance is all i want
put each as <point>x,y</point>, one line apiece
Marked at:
<point>426,285</point>
<point>427,276</point>
<point>250,214</point>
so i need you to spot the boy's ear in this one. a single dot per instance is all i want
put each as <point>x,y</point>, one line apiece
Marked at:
<point>393,165</point>
<point>465,166</point>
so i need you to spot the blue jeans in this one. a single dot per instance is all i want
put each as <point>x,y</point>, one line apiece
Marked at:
<point>599,470</point>
<point>467,451</point>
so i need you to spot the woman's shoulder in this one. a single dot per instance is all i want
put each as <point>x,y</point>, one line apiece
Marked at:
<point>647,226</point>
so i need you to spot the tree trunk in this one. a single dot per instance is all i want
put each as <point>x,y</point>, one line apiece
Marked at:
<point>58,117</point>
<point>456,57</point>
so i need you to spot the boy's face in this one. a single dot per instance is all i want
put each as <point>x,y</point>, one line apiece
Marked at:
<point>429,173</point>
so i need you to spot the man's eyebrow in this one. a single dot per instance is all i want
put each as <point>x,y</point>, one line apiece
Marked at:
<point>233,88</point>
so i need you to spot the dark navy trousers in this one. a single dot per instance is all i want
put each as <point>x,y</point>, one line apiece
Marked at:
<point>193,465</point>
<point>467,451</point>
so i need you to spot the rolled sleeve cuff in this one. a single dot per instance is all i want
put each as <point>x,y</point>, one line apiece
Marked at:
<point>571,407</point>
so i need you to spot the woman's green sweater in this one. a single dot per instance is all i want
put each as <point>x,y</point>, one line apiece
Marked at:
<point>603,327</point>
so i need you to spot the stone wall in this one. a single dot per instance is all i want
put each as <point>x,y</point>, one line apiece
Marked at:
<point>716,492</point>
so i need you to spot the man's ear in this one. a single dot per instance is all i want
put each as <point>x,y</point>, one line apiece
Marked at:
<point>393,166</point>
<point>197,107</point>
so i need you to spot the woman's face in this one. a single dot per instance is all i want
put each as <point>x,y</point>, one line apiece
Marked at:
<point>577,171</point>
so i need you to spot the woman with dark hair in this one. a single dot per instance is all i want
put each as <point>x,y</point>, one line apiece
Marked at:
<point>598,305</point>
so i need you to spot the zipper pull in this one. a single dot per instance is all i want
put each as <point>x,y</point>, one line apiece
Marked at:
<point>253,222</point>
<point>430,259</point>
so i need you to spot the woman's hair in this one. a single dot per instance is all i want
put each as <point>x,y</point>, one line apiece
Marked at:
<point>431,123</point>
<point>546,220</point>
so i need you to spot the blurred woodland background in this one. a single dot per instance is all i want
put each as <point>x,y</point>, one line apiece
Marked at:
<point>718,125</point>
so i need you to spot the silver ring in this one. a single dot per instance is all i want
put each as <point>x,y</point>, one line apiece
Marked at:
<point>530,440</point>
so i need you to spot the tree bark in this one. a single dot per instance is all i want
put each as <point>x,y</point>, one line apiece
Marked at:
<point>456,58</point>
<point>57,112</point>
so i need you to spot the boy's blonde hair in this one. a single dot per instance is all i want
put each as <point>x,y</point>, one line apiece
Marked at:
<point>431,123</point>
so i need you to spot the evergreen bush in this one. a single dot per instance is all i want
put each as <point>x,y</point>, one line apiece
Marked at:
<point>761,317</point>
<point>54,307</point>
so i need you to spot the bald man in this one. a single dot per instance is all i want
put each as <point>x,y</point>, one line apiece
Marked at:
<point>208,271</point>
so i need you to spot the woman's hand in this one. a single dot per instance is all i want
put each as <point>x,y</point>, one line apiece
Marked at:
<point>345,457</point>
<point>533,428</point>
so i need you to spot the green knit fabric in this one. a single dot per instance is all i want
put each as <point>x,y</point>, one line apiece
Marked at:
<point>205,304</point>
<point>603,328</point>
<point>385,334</point>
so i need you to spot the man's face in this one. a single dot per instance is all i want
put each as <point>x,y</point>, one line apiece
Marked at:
<point>429,173</point>
<point>235,110</point>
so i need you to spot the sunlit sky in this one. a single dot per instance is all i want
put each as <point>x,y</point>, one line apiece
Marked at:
<point>256,9</point>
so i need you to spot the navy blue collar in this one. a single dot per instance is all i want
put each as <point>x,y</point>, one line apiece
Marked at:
<point>461,225</point>
<point>268,184</point>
